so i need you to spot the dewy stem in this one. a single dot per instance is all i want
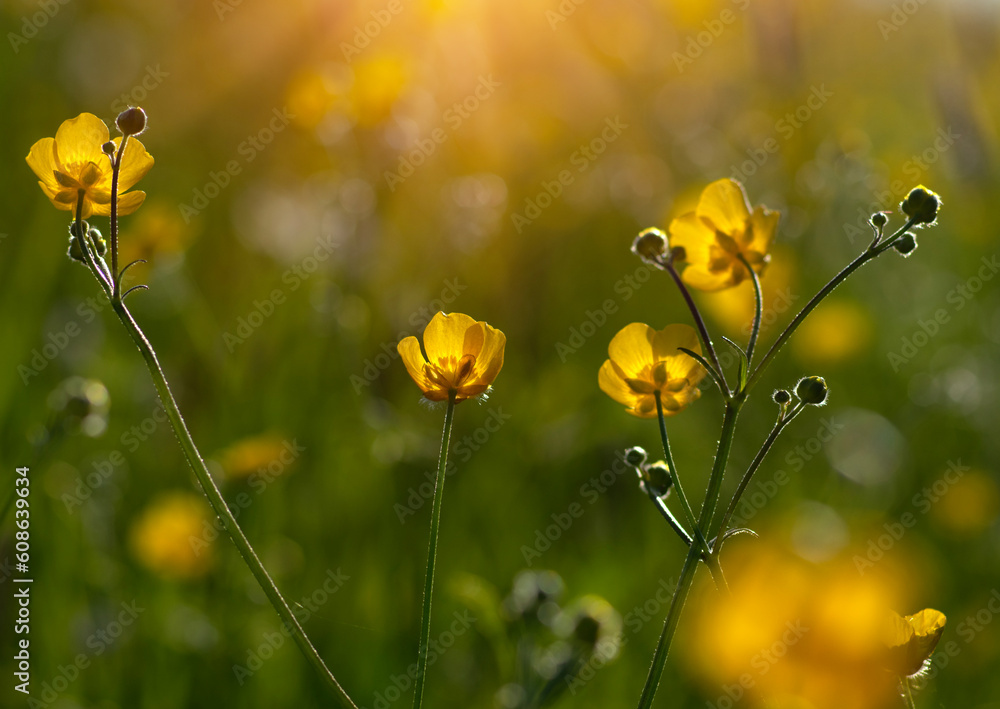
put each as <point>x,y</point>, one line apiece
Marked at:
<point>699,321</point>
<point>758,307</point>
<point>866,256</point>
<point>425,618</point>
<point>115,169</point>
<point>685,504</point>
<point>219,504</point>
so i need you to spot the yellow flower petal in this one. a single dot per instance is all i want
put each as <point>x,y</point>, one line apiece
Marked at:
<point>489,361</point>
<point>690,232</point>
<point>763,225</point>
<point>666,344</point>
<point>612,384</point>
<point>631,349</point>
<point>42,160</point>
<point>444,337</point>
<point>413,360</point>
<point>136,162</point>
<point>79,141</point>
<point>911,639</point>
<point>725,203</point>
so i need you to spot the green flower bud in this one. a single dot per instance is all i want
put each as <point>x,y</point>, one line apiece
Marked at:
<point>879,220</point>
<point>635,456</point>
<point>812,390</point>
<point>678,253</point>
<point>906,244</point>
<point>108,148</point>
<point>97,239</point>
<point>131,121</point>
<point>922,205</point>
<point>781,396</point>
<point>657,477</point>
<point>650,246</point>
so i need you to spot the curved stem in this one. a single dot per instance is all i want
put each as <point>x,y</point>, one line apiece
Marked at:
<point>115,169</point>
<point>699,321</point>
<point>425,618</point>
<point>215,498</point>
<point>664,512</point>
<point>748,475</point>
<point>685,505</point>
<point>853,266</point>
<point>758,309</point>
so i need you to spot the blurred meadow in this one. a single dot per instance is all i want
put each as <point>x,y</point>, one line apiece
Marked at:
<point>330,174</point>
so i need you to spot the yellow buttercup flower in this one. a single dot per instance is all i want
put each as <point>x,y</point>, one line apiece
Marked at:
<point>73,162</point>
<point>720,229</point>
<point>169,536</point>
<point>644,361</point>
<point>911,639</point>
<point>463,357</point>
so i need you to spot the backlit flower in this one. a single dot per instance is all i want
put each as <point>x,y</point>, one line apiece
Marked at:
<point>911,639</point>
<point>73,161</point>
<point>721,228</point>
<point>644,361</point>
<point>461,356</point>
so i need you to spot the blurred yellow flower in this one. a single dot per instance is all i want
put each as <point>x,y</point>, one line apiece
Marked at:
<point>463,357</point>
<point>169,536</point>
<point>159,230</point>
<point>73,162</point>
<point>911,639</point>
<point>248,455</point>
<point>799,634</point>
<point>970,506</point>
<point>836,331</point>
<point>717,231</point>
<point>644,361</point>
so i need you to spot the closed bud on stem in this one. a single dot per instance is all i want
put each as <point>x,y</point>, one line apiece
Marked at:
<point>657,477</point>
<point>879,220</point>
<point>131,121</point>
<point>781,396</point>
<point>635,456</point>
<point>812,390</point>
<point>108,149</point>
<point>650,246</point>
<point>906,244</point>
<point>922,205</point>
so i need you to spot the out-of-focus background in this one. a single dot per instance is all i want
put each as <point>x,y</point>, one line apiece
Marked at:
<point>330,174</point>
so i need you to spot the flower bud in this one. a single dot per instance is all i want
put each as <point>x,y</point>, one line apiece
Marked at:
<point>97,239</point>
<point>678,253</point>
<point>108,148</point>
<point>879,220</point>
<point>922,205</point>
<point>635,456</point>
<point>131,121</point>
<point>906,244</point>
<point>657,477</point>
<point>650,245</point>
<point>812,390</point>
<point>781,396</point>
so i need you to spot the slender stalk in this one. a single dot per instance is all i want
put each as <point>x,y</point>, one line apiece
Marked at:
<point>221,509</point>
<point>758,309</point>
<point>853,266</point>
<point>699,321</point>
<point>685,505</point>
<point>664,512</point>
<point>908,694</point>
<point>425,619</point>
<point>115,169</point>
<point>669,627</point>
<point>748,475</point>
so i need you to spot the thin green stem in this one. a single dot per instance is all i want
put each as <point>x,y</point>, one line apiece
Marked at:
<point>425,618</point>
<point>699,321</point>
<point>783,420</point>
<point>669,627</point>
<point>221,509</point>
<point>115,169</point>
<point>758,309</point>
<point>685,505</point>
<point>664,512</point>
<point>853,266</point>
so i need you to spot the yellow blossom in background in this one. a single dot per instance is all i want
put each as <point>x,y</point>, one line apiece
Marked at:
<point>73,161</point>
<point>970,506</point>
<point>719,229</point>
<point>799,634</point>
<point>158,230</point>
<point>463,356</point>
<point>169,538</point>
<point>836,331</point>
<point>911,639</point>
<point>249,455</point>
<point>378,83</point>
<point>644,361</point>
